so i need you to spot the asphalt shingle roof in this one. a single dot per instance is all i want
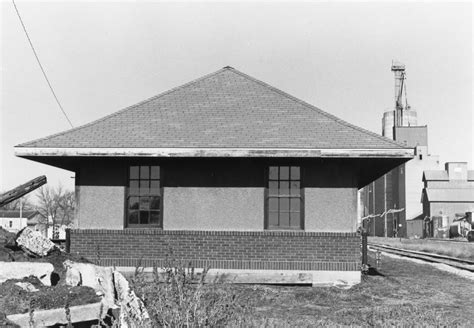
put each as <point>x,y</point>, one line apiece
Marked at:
<point>226,109</point>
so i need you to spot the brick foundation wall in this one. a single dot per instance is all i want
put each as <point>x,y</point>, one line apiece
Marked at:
<point>257,250</point>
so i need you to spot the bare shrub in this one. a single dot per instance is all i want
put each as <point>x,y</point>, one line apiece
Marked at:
<point>178,296</point>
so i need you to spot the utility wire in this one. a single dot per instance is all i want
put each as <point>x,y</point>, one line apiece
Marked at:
<point>41,66</point>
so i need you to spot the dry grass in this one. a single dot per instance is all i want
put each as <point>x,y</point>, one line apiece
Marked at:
<point>463,250</point>
<point>403,294</point>
<point>406,294</point>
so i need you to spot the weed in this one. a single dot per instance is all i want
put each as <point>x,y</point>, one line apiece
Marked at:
<point>177,296</point>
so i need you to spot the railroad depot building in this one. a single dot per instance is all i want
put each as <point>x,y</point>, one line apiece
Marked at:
<point>224,172</point>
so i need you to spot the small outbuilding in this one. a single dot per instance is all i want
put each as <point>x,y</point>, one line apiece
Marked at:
<point>225,172</point>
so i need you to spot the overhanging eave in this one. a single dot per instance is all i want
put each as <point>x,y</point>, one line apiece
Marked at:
<point>214,152</point>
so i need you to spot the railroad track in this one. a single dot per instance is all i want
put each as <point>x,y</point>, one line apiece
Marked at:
<point>428,257</point>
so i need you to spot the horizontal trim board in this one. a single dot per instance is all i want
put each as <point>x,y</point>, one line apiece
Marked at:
<point>213,152</point>
<point>149,231</point>
<point>231,264</point>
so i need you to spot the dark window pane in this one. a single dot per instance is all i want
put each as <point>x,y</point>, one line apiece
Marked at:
<point>133,187</point>
<point>295,173</point>
<point>284,219</point>
<point>273,188</point>
<point>133,217</point>
<point>144,172</point>
<point>273,219</point>
<point>133,172</point>
<point>154,187</point>
<point>144,217</point>
<point>273,173</point>
<point>295,219</point>
<point>155,217</point>
<point>284,188</point>
<point>273,204</point>
<point>284,173</point>
<point>144,187</point>
<point>133,203</point>
<point>295,188</point>
<point>155,172</point>
<point>295,204</point>
<point>284,204</point>
<point>144,203</point>
<point>155,203</point>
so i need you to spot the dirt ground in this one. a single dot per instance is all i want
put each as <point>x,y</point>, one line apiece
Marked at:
<point>14,299</point>
<point>402,294</point>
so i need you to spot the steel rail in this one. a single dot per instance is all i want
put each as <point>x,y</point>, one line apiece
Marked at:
<point>429,257</point>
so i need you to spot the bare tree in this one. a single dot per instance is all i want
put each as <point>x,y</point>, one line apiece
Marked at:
<point>23,202</point>
<point>56,205</point>
<point>67,203</point>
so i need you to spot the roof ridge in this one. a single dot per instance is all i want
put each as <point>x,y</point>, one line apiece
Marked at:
<point>312,107</point>
<point>128,107</point>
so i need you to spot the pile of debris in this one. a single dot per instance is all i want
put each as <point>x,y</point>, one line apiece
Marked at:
<point>39,283</point>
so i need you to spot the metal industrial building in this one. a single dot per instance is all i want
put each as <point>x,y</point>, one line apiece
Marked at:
<point>400,188</point>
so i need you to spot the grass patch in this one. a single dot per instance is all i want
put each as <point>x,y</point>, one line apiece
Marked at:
<point>462,250</point>
<point>403,294</point>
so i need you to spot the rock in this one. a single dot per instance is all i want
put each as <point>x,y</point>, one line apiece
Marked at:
<point>55,317</point>
<point>94,276</point>
<point>7,238</point>
<point>73,277</point>
<point>133,313</point>
<point>20,270</point>
<point>34,243</point>
<point>27,286</point>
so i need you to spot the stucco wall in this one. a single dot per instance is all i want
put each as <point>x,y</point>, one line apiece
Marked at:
<point>330,209</point>
<point>213,209</point>
<point>100,207</point>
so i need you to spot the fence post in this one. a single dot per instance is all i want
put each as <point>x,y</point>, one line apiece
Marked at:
<point>68,240</point>
<point>364,250</point>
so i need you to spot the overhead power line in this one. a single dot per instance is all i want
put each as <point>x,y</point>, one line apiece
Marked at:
<point>41,66</point>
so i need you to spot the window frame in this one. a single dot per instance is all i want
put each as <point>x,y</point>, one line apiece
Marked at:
<point>267,197</point>
<point>127,224</point>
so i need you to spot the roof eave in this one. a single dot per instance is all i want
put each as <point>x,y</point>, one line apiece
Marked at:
<point>213,152</point>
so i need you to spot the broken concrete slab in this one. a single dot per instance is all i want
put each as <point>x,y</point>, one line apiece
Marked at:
<point>73,276</point>
<point>27,286</point>
<point>47,318</point>
<point>133,313</point>
<point>94,276</point>
<point>19,270</point>
<point>34,243</point>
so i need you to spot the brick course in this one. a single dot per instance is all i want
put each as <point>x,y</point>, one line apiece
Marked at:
<point>258,250</point>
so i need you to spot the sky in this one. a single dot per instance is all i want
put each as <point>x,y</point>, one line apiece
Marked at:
<point>101,57</point>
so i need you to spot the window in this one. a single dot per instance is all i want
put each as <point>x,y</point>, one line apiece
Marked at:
<point>284,198</point>
<point>144,196</point>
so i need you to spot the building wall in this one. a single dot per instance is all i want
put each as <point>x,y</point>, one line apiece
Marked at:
<point>450,209</point>
<point>340,216</point>
<point>191,208</point>
<point>402,189</point>
<point>256,250</point>
<point>414,180</point>
<point>16,224</point>
<point>225,194</point>
<point>100,207</point>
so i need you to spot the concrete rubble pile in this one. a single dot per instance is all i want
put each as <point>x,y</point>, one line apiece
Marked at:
<point>107,282</point>
<point>33,243</point>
